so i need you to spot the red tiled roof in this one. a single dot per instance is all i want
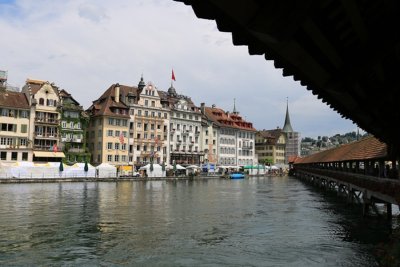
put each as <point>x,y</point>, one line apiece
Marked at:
<point>13,100</point>
<point>231,120</point>
<point>366,148</point>
<point>105,104</point>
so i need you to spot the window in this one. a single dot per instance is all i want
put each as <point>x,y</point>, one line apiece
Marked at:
<point>110,133</point>
<point>117,133</point>
<point>14,156</point>
<point>41,101</point>
<point>3,155</point>
<point>116,158</point>
<point>109,145</point>
<point>153,103</point>
<point>24,128</point>
<point>116,146</point>
<point>146,103</point>
<point>110,121</point>
<point>24,156</point>
<point>165,116</point>
<point>22,142</point>
<point>123,158</point>
<point>109,158</point>
<point>146,113</point>
<point>123,147</point>
<point>24,114</point>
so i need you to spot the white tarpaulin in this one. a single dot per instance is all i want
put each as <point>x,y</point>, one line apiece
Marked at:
<point>44,170</point>
<point>105,170</point>
<point>157,170</point>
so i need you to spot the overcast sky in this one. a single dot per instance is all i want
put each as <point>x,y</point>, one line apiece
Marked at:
<point>85,46</point>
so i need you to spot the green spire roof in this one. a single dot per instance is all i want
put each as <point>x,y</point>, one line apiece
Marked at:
<point>287,128</point>
<point>141,84</point>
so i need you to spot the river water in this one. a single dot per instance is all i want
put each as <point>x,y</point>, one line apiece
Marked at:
<point>269,221</point>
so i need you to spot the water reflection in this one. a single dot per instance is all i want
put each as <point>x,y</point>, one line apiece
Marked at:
<point>253,222</point>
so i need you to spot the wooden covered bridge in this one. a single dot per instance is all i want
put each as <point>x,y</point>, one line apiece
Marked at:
<point>362,171</point>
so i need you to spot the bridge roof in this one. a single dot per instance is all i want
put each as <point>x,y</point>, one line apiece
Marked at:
<point>346,52</point>
<point>366,148</point>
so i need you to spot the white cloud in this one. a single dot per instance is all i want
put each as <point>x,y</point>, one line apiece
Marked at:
<point>84,46</point>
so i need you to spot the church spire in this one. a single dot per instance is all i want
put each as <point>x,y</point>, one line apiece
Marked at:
<point>234,107</point>
<point>287,128</point>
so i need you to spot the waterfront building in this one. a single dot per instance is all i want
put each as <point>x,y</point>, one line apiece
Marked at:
<point>234,139</point>
<point>293,140</point>
<point>108,128</point>
<point>209,138</point>
<point>15,126</point>
<point>185,128</point>
<point>149,126</point>
<point>43,99</point>
<point>271,146</point>
<point>73,122</point>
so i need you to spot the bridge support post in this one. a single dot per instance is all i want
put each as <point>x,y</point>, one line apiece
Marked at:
<point>389,211</point>
<point>366,203</point>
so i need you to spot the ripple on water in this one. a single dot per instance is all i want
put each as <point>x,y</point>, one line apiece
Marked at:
<point>254,222</point>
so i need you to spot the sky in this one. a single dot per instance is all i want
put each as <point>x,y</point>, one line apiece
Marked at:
<point>85,46</point>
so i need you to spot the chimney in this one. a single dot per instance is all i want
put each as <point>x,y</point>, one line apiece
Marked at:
<point>116,97</point>
<point>202,107</point>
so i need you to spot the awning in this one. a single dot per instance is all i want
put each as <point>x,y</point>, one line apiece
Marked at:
<point>48,154</point>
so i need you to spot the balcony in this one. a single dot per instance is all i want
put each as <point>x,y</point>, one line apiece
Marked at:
<point>46,135</point>
<point>47,120</point>
<point>76,150</point>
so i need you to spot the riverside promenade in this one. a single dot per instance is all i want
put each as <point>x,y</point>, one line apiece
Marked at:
<point>103,179</point>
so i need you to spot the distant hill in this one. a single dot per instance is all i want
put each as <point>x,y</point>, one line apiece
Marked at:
<point>310,145</point>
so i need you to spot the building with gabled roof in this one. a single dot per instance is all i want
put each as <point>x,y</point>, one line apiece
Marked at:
<point>233,136</point>
<point>43,98</point>
<point>271,146</point>
<point>108,128</point>
<point>149,125</point>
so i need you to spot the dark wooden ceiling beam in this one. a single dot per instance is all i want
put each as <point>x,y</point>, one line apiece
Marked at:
<point>355,18</point>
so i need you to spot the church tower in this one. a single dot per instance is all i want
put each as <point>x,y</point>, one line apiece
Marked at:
<point>292,138</point>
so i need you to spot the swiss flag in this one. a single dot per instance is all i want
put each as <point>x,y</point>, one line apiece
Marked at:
<point>173,75</point>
